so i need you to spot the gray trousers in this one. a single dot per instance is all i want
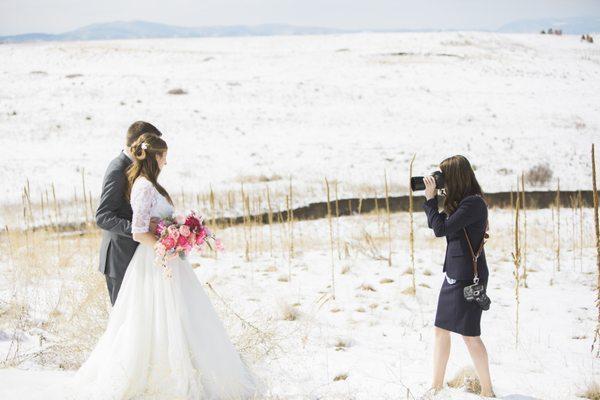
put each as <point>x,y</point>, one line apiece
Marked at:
<point>113,285</point>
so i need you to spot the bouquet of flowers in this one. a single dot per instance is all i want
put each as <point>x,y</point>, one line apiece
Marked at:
<point>179,235</point>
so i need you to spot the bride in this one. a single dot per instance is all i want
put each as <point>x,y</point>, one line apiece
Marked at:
<point>163,340</point>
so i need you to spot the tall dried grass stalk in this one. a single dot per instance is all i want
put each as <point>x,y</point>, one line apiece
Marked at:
<point>330,238</point>
<point>270,219</point>
<point>411,229</point>
<point>597,243</point>
<point>524,207</point>
<point>246,225</point>
<point>557,202</point>
<point>389,217</point>
<point>337,220</point>
<point>573,203</point>
<point>516,256</point>
<point>376,206</point>
<point>581,220</point>
<point>291,219</point>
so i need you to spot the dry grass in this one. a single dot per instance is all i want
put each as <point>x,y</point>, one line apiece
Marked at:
<point>367,287</point>
<point>410,291</point>
<point>340,377</point>
<point>177,91</point>
<point>56,294</point>
<point>466,378</point>
<point>592,391</point>
<point>67,318</point>
<point>286,311</point>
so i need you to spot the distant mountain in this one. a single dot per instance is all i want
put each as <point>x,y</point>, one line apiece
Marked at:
<point>143,29</point>
<point>572,26</point>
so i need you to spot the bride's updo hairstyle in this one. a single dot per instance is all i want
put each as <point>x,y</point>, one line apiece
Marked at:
<point>459,181</point>
<point>144,151</point>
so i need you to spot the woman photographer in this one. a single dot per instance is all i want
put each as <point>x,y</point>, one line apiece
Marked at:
<point>464,207</point>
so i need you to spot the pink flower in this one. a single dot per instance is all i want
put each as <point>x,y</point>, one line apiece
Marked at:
<point>173,232</point>
<point>219,245</point>
<point>160,227</point>
<point>168,242</point>
<point>200,237</point>
<point>180,219</point>
<point>160,249</point>
<point>193,222</point>
<point>184,230</point>
<point>192,238</point>
<point>182,241</point>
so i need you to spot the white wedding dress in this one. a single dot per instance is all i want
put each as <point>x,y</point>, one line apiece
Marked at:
<point>163,340</point>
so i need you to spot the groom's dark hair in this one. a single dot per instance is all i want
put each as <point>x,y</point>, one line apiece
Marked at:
<point>138,128</point>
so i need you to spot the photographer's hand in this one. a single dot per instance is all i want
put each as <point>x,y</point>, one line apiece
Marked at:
<point>430,190</point>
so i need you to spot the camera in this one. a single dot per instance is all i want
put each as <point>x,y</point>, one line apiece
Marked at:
<point>477,293</point>
<point>416,182</point>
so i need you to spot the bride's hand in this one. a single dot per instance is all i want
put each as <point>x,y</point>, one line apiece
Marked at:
<point>430,189</point>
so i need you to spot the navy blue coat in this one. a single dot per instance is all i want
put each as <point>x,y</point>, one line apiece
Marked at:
<point>472,214</point>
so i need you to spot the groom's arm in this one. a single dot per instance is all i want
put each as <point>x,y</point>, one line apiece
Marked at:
<point>113,195</point>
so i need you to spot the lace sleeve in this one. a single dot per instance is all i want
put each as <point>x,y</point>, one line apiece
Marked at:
<point>143,198</point>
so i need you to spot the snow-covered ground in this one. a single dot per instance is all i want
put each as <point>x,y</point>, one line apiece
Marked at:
<point>345,106</point>
<point>377,337</point>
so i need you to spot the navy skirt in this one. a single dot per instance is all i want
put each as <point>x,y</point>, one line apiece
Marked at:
<point>454,313</point>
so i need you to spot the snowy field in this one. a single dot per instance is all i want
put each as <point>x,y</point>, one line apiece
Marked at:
<point>373,341</point>
<point>347,107</point>
<point>265,108</point>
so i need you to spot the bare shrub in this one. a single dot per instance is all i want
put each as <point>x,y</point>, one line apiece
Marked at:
<point>177,91</point>
<point>539,174</point>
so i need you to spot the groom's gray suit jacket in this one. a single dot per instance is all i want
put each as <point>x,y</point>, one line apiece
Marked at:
<point>113,216</point>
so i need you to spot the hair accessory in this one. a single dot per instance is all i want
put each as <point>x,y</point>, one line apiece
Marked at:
<point>144,146</point>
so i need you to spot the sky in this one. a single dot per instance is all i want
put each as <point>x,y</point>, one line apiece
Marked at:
<point>56,16</point>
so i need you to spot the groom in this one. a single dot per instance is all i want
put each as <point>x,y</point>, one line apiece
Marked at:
<point>114,213</point>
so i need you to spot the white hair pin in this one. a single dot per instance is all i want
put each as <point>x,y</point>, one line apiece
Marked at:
<point>144,146</point>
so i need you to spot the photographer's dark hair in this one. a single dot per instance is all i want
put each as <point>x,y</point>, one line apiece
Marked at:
<point>459,180</point>
<point>137,129</point>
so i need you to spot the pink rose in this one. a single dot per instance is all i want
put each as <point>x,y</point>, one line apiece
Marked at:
<point>192,238</point>
<point>168,242</point>
<point>184,230</point>
<point>173,232</point>
<point>182,241</point>
<point>160,228</point>
<point>193,222</point>
<point>200,238</point>
<point>180,219</point>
